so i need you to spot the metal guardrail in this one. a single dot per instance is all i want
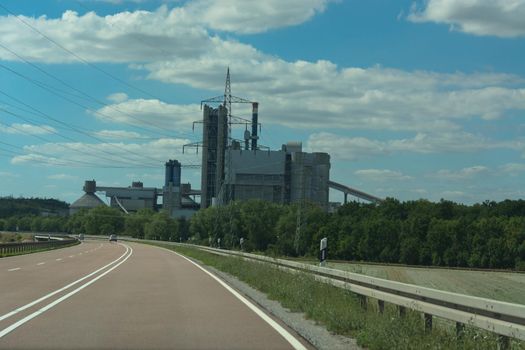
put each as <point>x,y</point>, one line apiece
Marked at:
<point>7,249</point>
<point>505,319</point>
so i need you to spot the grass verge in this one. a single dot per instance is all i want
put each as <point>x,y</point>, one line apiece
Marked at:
<point>340,312</point>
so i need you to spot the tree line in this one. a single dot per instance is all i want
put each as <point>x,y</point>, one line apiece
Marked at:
<point>485,235</point>
<point>10,206</point>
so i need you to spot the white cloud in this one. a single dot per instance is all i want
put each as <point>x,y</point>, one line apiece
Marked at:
<point>118,134</point>
<point>62,177</point>
<point>382,175</point>
<point>5,174</point>
<point>513,169</point>
<point>27,129</point>
<point>295,94</point>
<point>502,18</point>
<point>122,37</point>
<point>151,154</point>
<point>321,94</point>
<point>462,174</point>
<point>118,97</point>
<point>350,148</point>
<point>249,17</point>
<point>147,176</point>
<point>148,113</point>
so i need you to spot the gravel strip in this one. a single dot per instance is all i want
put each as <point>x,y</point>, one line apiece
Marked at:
<point>315,334</point>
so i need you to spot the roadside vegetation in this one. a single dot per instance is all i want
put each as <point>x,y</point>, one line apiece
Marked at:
<point>486,235</point>
<point>340,312</point>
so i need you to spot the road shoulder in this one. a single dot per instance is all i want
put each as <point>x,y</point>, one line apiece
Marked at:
<point>315,334</point>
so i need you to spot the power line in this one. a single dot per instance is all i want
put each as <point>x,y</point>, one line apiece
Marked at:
<point>87,96</point>
<point>62,136</point>
<point>76,55</point>
<point>49,89</point>
<point>82,164</point>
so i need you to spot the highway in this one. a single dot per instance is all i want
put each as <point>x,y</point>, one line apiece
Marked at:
<point>102,295</point>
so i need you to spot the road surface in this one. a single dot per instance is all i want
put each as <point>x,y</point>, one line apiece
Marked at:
<point>101,295</point>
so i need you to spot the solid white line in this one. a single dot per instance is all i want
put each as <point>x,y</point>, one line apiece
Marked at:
<point>59,259</point>
<point>22,308</point>
<point>277,327</point>
<point>40,263</point>
<point>15,269</point>
<point>28,318</point>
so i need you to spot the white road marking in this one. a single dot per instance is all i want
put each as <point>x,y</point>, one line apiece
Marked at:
<point>40,263</point>
<point>59,259</point>
<point>61,299</point>
<point>15,269</point>
<point>277,327</point>
<point>71,256</point>
<point>22,308</point>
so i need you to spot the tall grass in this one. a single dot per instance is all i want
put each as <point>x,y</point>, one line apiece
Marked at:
<point>340,311</point>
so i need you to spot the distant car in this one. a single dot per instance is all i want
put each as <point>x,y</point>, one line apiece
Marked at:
<point>113,238</point>
<point>81,237</point>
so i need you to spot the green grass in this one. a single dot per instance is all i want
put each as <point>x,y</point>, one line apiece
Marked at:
<point>340,312</point>
<point>504,286</point>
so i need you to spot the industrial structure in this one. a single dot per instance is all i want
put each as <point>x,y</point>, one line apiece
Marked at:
<point>177,197</point>
<point>231,170</point>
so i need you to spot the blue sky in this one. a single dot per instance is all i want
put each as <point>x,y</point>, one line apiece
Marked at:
<point>412,100</point>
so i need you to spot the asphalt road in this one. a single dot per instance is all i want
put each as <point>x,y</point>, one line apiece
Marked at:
<point>101,295</point>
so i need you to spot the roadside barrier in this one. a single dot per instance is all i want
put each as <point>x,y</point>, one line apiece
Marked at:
<point>7,249</point>
<point>503,318</point>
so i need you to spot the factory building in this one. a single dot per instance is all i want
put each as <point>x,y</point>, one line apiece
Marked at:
<point>285,176</point>
<point>230,173</point>
<point>88,201</point>
<point>132,198</point>
<point>177,197</point>
<point>177,201</point>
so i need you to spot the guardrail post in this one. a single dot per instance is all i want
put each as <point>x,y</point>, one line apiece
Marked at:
<point>460,328</point>
<point>503,342</point>
<point>428,322</point>
<point>402,311</point>
<point>362,301</point>
<point>381,306</point>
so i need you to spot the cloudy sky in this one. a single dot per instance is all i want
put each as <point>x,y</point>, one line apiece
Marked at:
<point>412,99</point>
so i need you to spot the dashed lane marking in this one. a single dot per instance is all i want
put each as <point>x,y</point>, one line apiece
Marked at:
<point>15,269</point>
<point>40,263</point>
<point>28,318</point>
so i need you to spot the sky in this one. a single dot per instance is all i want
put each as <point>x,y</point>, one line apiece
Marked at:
<point>411,99</point>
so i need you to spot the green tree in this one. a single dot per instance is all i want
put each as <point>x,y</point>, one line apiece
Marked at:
<point>134,224</point>
<point>161,227</point>
<point>103,220</point>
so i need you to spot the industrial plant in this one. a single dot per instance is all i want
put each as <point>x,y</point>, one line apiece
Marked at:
<point>231,170</point>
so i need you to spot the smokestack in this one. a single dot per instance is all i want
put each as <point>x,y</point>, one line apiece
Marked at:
<point>255,116</point>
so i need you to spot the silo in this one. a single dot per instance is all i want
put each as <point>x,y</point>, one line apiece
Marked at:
<point>176,173</point>
<point>168,177</point>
